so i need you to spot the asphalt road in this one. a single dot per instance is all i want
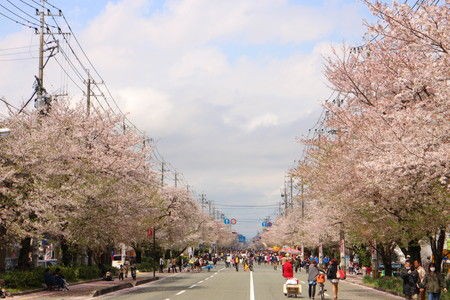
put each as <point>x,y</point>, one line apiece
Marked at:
<point>263,284</point>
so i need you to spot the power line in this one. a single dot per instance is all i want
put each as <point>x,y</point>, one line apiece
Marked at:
<point>18,22</point>
<point>24,12</point>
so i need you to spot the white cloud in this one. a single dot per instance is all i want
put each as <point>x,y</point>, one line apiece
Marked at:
<point>212,81</point>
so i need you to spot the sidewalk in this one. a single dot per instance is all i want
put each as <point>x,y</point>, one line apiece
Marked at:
<point>358,279</point>
<point>91,289</point>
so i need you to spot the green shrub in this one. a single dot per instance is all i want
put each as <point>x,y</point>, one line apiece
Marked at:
<point>88,272</point>
<point>393,284</point>
<point>368,280</point>
<point>35,278</point>
<point>24,279</point>
<point>145,267</point>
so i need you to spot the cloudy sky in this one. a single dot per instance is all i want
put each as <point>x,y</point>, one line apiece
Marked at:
<point>225,87</point>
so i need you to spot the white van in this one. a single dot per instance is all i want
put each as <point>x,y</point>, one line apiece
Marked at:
<point>118,260</point>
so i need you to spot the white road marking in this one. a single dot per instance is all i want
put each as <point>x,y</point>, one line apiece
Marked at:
<point>192,286</point>
<point>201,281</point>
<point>206,278</point>
<point>326,295</point>
<point>180,292</point>
<point>252,288</point>
<point>302,282</point>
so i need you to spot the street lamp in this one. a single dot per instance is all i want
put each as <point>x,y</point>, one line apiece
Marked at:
<point>4,132</point>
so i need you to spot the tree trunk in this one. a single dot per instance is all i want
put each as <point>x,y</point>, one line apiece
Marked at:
<point>66,256</point>
<point>437,246</point>
<point>24,262</point>
<point>385,251</point>
<point>412,250</point>
<point>89,253</point>
<point>3,249</point>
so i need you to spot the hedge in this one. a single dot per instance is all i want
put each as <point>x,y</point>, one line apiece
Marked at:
<point>395,285</point>
<point>35,278</point>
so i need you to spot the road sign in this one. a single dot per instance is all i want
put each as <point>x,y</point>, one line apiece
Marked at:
<point>226,221</point>
<point>233,221</point>
<point>149,232</point>
<point>269,224</point>
<point>241,238</point>
<point>264,224</point>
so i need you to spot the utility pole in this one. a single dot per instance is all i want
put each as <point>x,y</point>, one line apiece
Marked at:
<point>210,208</point>
<point>292,191</point>
<point>162,174</point>
<point>176,179</point>
<point>40,90</point>
<point>88,96</point>
<point>285,199</point>
<point>42,101</point>
<point>303,197</point>
<point>203,201</point>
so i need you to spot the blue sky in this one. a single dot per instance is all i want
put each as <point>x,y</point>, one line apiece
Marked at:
<point>225,87</point>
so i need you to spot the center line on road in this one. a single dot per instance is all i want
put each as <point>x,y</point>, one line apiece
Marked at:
<point>206,278</point>
<point>180,292</point>
<point>192,286</point>
<point>201,281</point>
<point>252,288</point>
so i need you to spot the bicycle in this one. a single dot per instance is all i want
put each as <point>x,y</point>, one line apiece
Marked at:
<point>320,279</point>
<point>322,290</point>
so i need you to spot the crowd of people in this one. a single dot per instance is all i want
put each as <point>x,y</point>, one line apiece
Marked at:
<point>419,281</point>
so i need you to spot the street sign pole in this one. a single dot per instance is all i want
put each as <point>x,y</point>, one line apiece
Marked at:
<point>154,252</point>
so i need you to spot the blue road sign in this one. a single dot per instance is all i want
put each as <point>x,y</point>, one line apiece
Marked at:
<point>226,221</point>
<point>264,224</point>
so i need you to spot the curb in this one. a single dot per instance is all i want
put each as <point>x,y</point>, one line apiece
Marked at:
<point>42,289</point>
<point>112,289</point>
<point>144,281</point>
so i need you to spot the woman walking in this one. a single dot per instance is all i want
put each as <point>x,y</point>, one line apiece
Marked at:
<point>312,282</point>
<point>433,283</point>
<point>332,277</point>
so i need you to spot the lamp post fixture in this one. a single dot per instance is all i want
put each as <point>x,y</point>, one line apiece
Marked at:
<point>4,132</point>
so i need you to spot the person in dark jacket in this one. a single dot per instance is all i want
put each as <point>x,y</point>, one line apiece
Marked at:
<point>410,280</point>
<point>433,283</point>
<point>312,282</point>
<point>332,276</point>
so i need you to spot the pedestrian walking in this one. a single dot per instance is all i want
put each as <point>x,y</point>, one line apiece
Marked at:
<point>133,271</point>
<point>433,283</point>
<point>236,262</point>
<point>332,277</point>
<point>312,281</point>
<point>121,272</point>
<point>287,269</point>
<point>410,280</point>
<point>161,265</point>
<point>421,272</point>
<point>126,268</point>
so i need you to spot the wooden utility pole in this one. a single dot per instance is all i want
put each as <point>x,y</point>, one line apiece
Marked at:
<point>162,174</point>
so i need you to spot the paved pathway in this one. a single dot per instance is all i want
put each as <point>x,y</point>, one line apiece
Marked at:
<point>221,283</point>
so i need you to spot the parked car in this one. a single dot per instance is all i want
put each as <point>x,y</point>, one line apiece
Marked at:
<point>47,262</point>
<point>395,268</point>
